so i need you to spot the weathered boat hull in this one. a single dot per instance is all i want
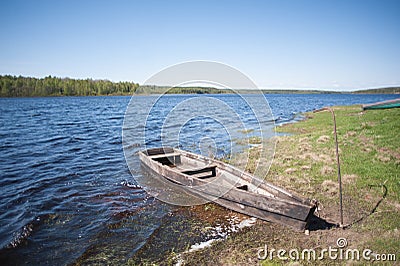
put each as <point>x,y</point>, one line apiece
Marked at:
<point>228,186</point>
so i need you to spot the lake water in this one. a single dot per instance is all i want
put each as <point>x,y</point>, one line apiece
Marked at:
<point>66,193</point>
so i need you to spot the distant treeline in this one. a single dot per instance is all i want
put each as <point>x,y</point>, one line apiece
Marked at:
<point>299,92</point>
<point>12,86</point>
<point>391,90</point>
<point>149,89</point>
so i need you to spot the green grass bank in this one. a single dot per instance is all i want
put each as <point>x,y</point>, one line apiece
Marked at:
<point>305,163</point>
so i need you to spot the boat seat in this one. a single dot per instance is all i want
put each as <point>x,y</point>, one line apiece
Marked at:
<point>167,158</point>
<point>164,155</point>
<point>211,168</point>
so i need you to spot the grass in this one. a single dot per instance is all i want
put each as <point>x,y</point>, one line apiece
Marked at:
<point>369,147</point>
<point>305,163</point>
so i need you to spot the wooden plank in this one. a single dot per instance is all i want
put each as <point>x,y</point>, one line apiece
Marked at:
<point>156,156</point>
<point>264,215</point>
<point>155,151</point>
<point>270,188</point>
<point>261,202</point>
<point>201,170</point>
<point>283,207</point>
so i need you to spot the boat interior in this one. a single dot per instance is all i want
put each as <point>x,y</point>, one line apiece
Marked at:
<point>196,168</point>
<point>201,168</point>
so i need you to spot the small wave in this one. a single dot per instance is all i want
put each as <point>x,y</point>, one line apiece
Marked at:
<point>116,117</point>
<point>76,138</point>
<point>218,233</point>
<point>124,214</point>
<point>234,225</point>
<point>62,124</point>
<point>37,164</point>
<point>131,146</point>
<point>53,139</point>
<point>130,184</point>
<point>74,149</point>
<point>115,141</point>
<point>23,234</point>
<point>202,245</point>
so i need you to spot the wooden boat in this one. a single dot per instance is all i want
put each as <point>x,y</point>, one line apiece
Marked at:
<point>229,186</point>
<point>383,105</point>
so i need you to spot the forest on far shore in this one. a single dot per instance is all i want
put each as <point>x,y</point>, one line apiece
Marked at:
<point>13,86</point>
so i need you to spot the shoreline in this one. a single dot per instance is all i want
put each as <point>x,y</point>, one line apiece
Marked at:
<point>304,164</point>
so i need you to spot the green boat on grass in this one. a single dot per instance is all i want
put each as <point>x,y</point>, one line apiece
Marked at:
<point>383,105</point>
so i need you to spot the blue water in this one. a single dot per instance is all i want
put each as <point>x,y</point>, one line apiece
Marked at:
<point>66,193</point>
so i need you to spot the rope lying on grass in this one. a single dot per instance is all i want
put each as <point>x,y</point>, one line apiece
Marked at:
<point>385,190</point>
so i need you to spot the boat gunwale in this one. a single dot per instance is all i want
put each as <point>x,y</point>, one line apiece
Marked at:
<point>250,178</point>
<point>307,203</point>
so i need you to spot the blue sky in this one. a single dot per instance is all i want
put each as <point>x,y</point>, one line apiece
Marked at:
<point>339,45</point>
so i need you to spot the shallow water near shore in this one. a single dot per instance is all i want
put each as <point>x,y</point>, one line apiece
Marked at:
<point>67,195</point>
